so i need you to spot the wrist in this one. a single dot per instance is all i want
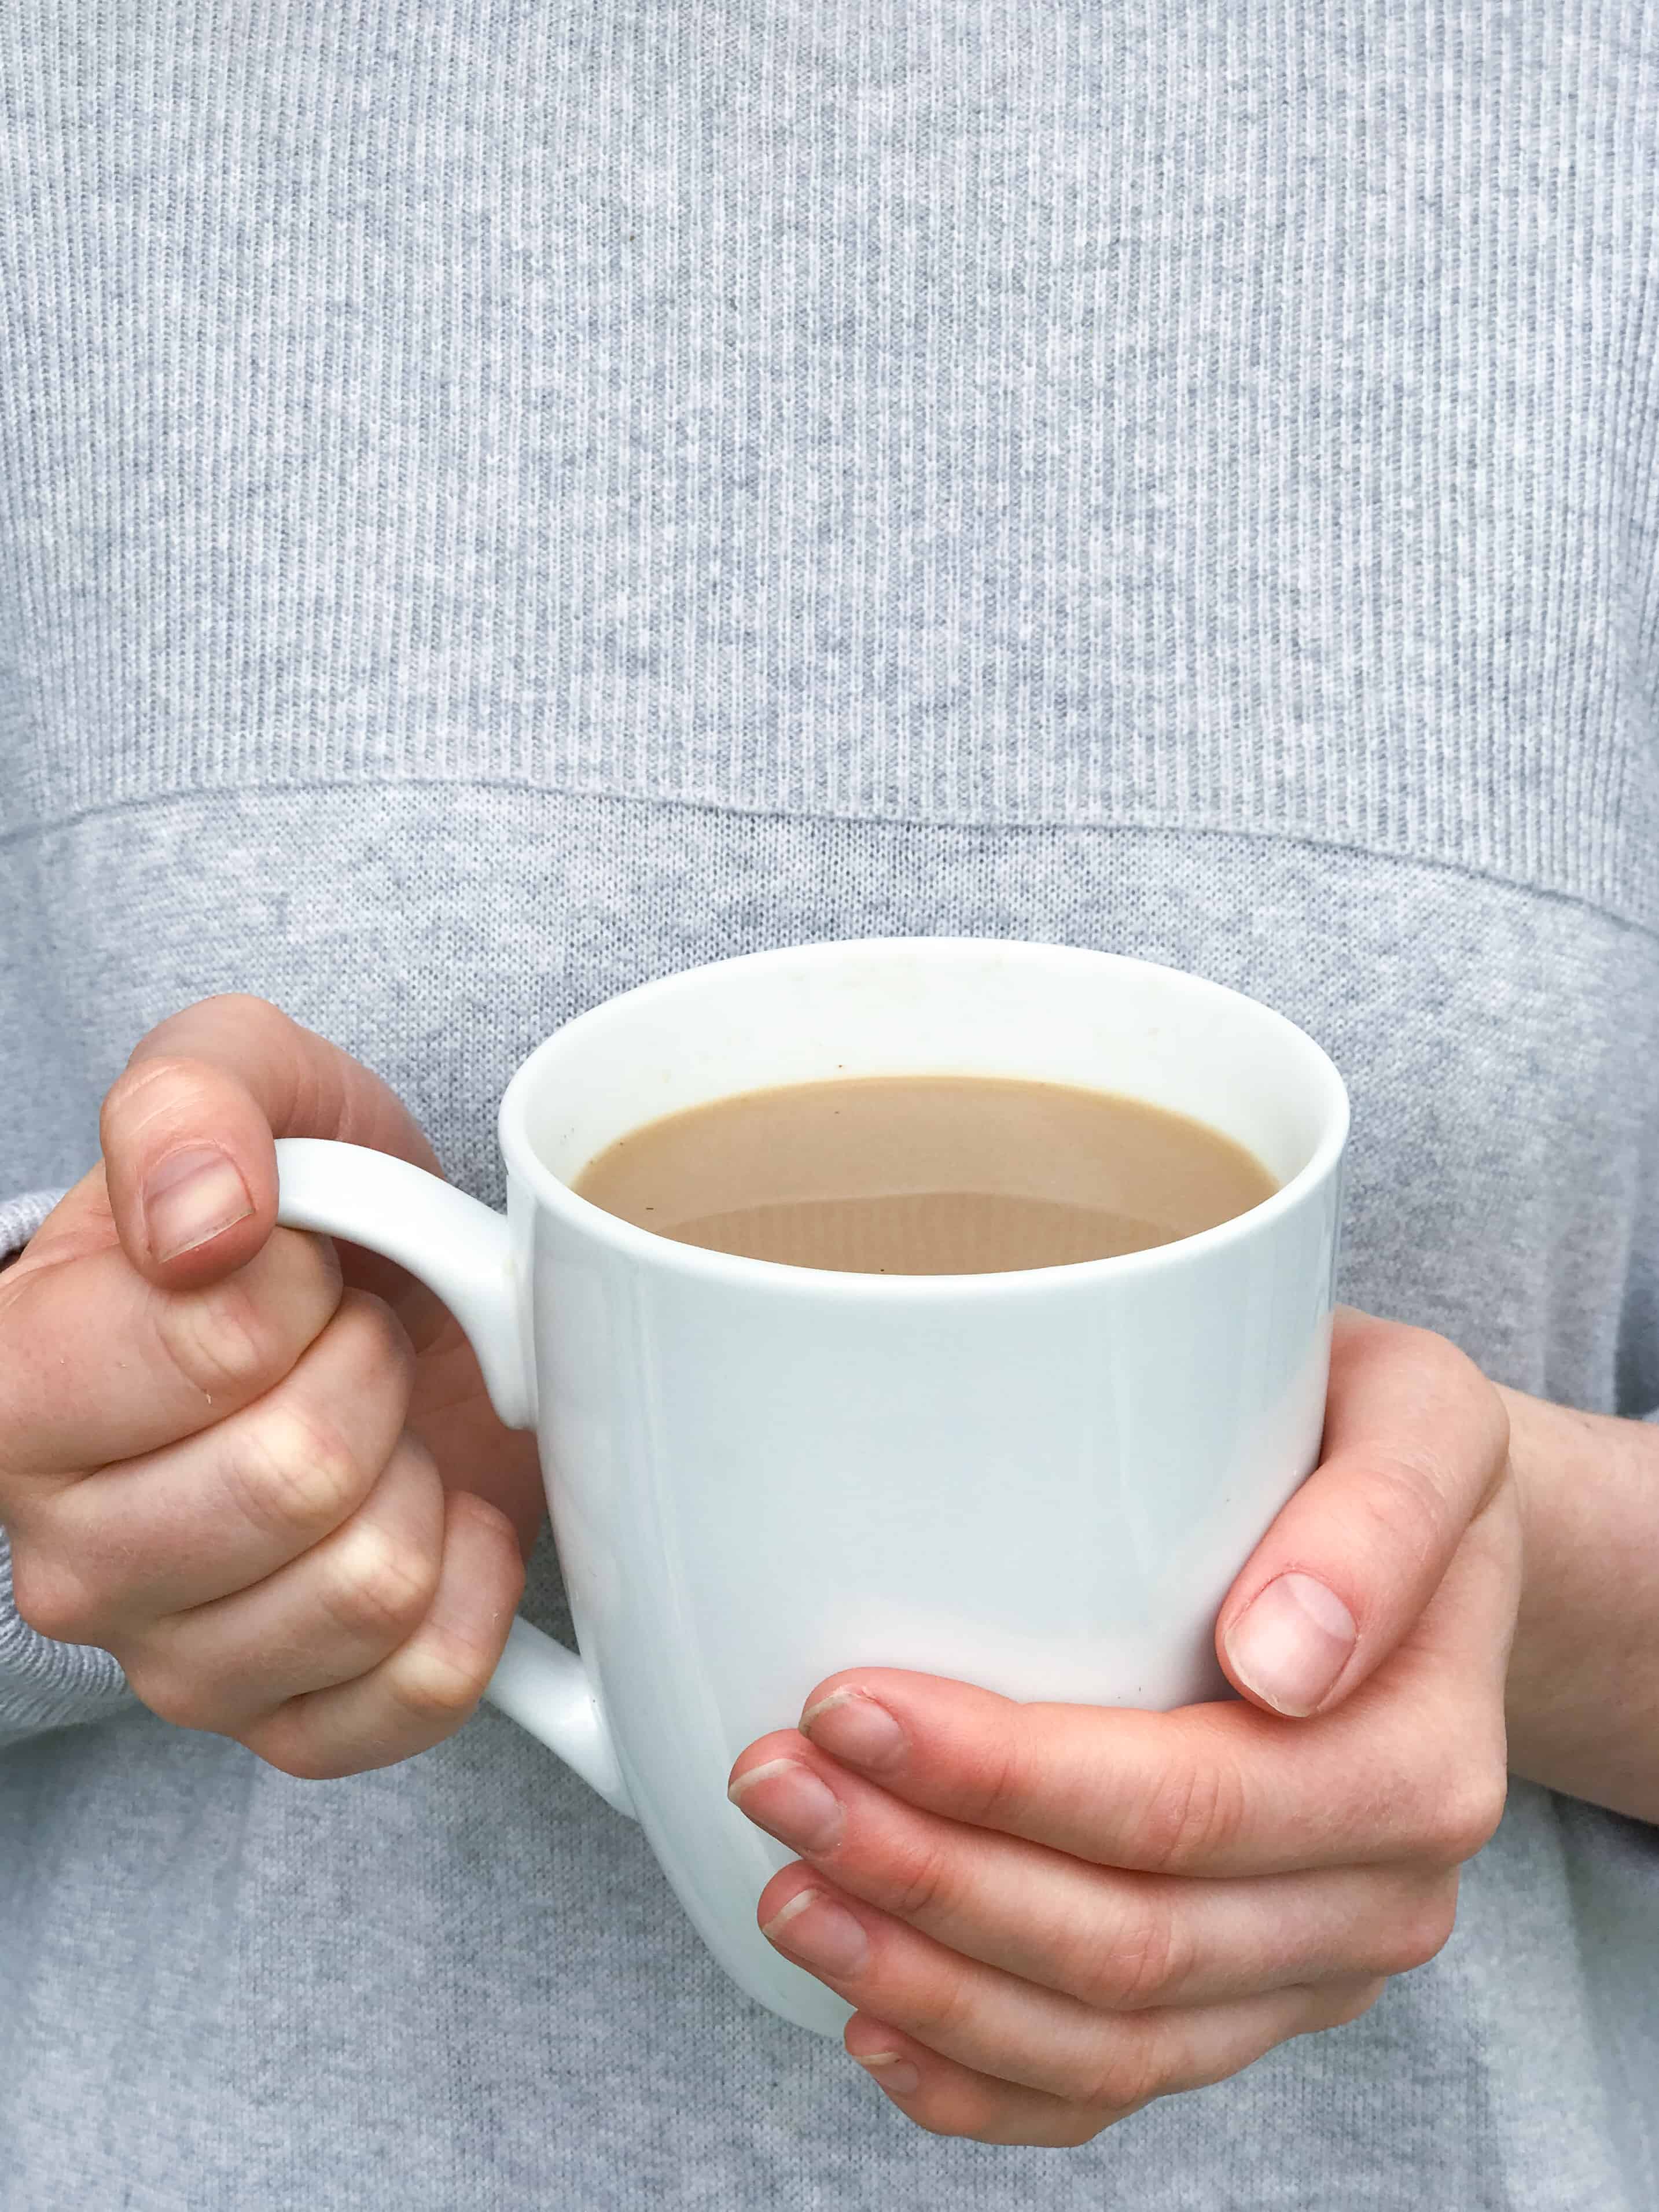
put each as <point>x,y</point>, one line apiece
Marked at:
<point>1583,1690</point>
<point>1523,1413</point>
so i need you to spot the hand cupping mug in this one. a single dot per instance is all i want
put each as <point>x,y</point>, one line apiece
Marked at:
<point>1042,1479</point>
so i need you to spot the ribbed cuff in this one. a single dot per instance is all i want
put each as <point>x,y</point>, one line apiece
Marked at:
<point>20,1217</point>
<point>45,1684</point>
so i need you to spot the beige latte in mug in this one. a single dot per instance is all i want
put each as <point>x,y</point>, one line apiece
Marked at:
<point>925,1174</point>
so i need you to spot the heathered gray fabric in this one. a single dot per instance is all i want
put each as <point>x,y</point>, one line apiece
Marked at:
<point>462,1982</point>
<point>497,503</point>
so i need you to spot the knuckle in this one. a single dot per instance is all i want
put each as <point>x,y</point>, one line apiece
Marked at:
<point>219,1343</point>
<point>378,1588</point>
<point>1126,2073</point>
<point>1417,1487</point>
<point>294,1474</point>
<point>1145,1960</point>
<point>920,1882</point>
<point>1422,1931</point>
<point>1192,1814</point>
<point>300,1765</point>
<point>52,1599</point>
<point>1469,1388</point>
<point>1435,1358</point>
<point>971,2125</point>
<point>1405,1499</point>
<point>1351,2003</point>
<point>1462,1374</point>
<point>966,2113</point>
<point>287,1749</point>
<point>939,2013</point>
<point>1079,2126</point>
<point>381,1353</point>
<point>300,1270</point>
<point>1467,1815</point>
<point>998,1794</point>
<point>172,1695</point>
<point>436,1685</point>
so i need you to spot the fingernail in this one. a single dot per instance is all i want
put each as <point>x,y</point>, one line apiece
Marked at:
<point>190,1196</point>
<point>819,1934</point>
<point>891,2071</point>
<point>1292,1643</point>
<point>790,1802</point>
<point>850,1725</point>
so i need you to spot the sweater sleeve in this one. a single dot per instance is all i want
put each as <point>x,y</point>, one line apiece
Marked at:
<point>45,1684</point>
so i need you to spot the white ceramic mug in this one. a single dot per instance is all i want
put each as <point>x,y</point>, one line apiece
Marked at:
<point>1041,1482</point>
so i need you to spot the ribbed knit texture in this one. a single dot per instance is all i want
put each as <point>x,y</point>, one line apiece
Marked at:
<point>19,1217</point>
<point>500,500</point>
<point>1211,415</point>
<point>49,1684</point>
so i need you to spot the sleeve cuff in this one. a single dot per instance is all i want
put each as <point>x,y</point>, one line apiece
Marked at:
<point>20,1217</point>
<point>45,1684</point>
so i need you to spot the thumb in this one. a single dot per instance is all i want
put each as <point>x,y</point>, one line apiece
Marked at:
<point>188,1132</point>
<point>1416,1445</point>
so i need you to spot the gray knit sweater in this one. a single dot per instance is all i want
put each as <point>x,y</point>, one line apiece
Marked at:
<point>502,498</point>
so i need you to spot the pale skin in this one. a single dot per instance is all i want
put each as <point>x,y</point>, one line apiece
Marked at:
<point>269,1481</point>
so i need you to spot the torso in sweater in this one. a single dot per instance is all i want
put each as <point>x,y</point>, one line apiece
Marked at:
<point>498,501</point>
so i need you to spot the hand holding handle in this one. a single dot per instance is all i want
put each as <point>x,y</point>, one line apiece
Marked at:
<point>463,1251</point>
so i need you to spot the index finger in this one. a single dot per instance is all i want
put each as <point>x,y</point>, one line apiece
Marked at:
<point>1410,1768</point>
<point>100,1365</point>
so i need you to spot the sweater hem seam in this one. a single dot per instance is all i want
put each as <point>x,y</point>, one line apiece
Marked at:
<point>1315,841</point>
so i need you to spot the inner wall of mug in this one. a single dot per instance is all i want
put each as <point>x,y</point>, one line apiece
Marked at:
<point>928,1006</point>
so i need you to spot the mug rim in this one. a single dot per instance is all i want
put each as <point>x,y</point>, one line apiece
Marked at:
<point>782,1278</point>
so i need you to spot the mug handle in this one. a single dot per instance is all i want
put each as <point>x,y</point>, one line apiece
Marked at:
<point>463,1251</point>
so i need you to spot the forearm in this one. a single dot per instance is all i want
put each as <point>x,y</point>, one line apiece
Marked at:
<point>1583,1680</point>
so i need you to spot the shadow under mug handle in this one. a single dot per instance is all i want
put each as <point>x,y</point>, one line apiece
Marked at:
<point>463,1251</point>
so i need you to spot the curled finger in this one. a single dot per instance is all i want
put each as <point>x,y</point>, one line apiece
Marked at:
<point>325,1618</point>
<point>946,2098</point>
<point>424,1690</point>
